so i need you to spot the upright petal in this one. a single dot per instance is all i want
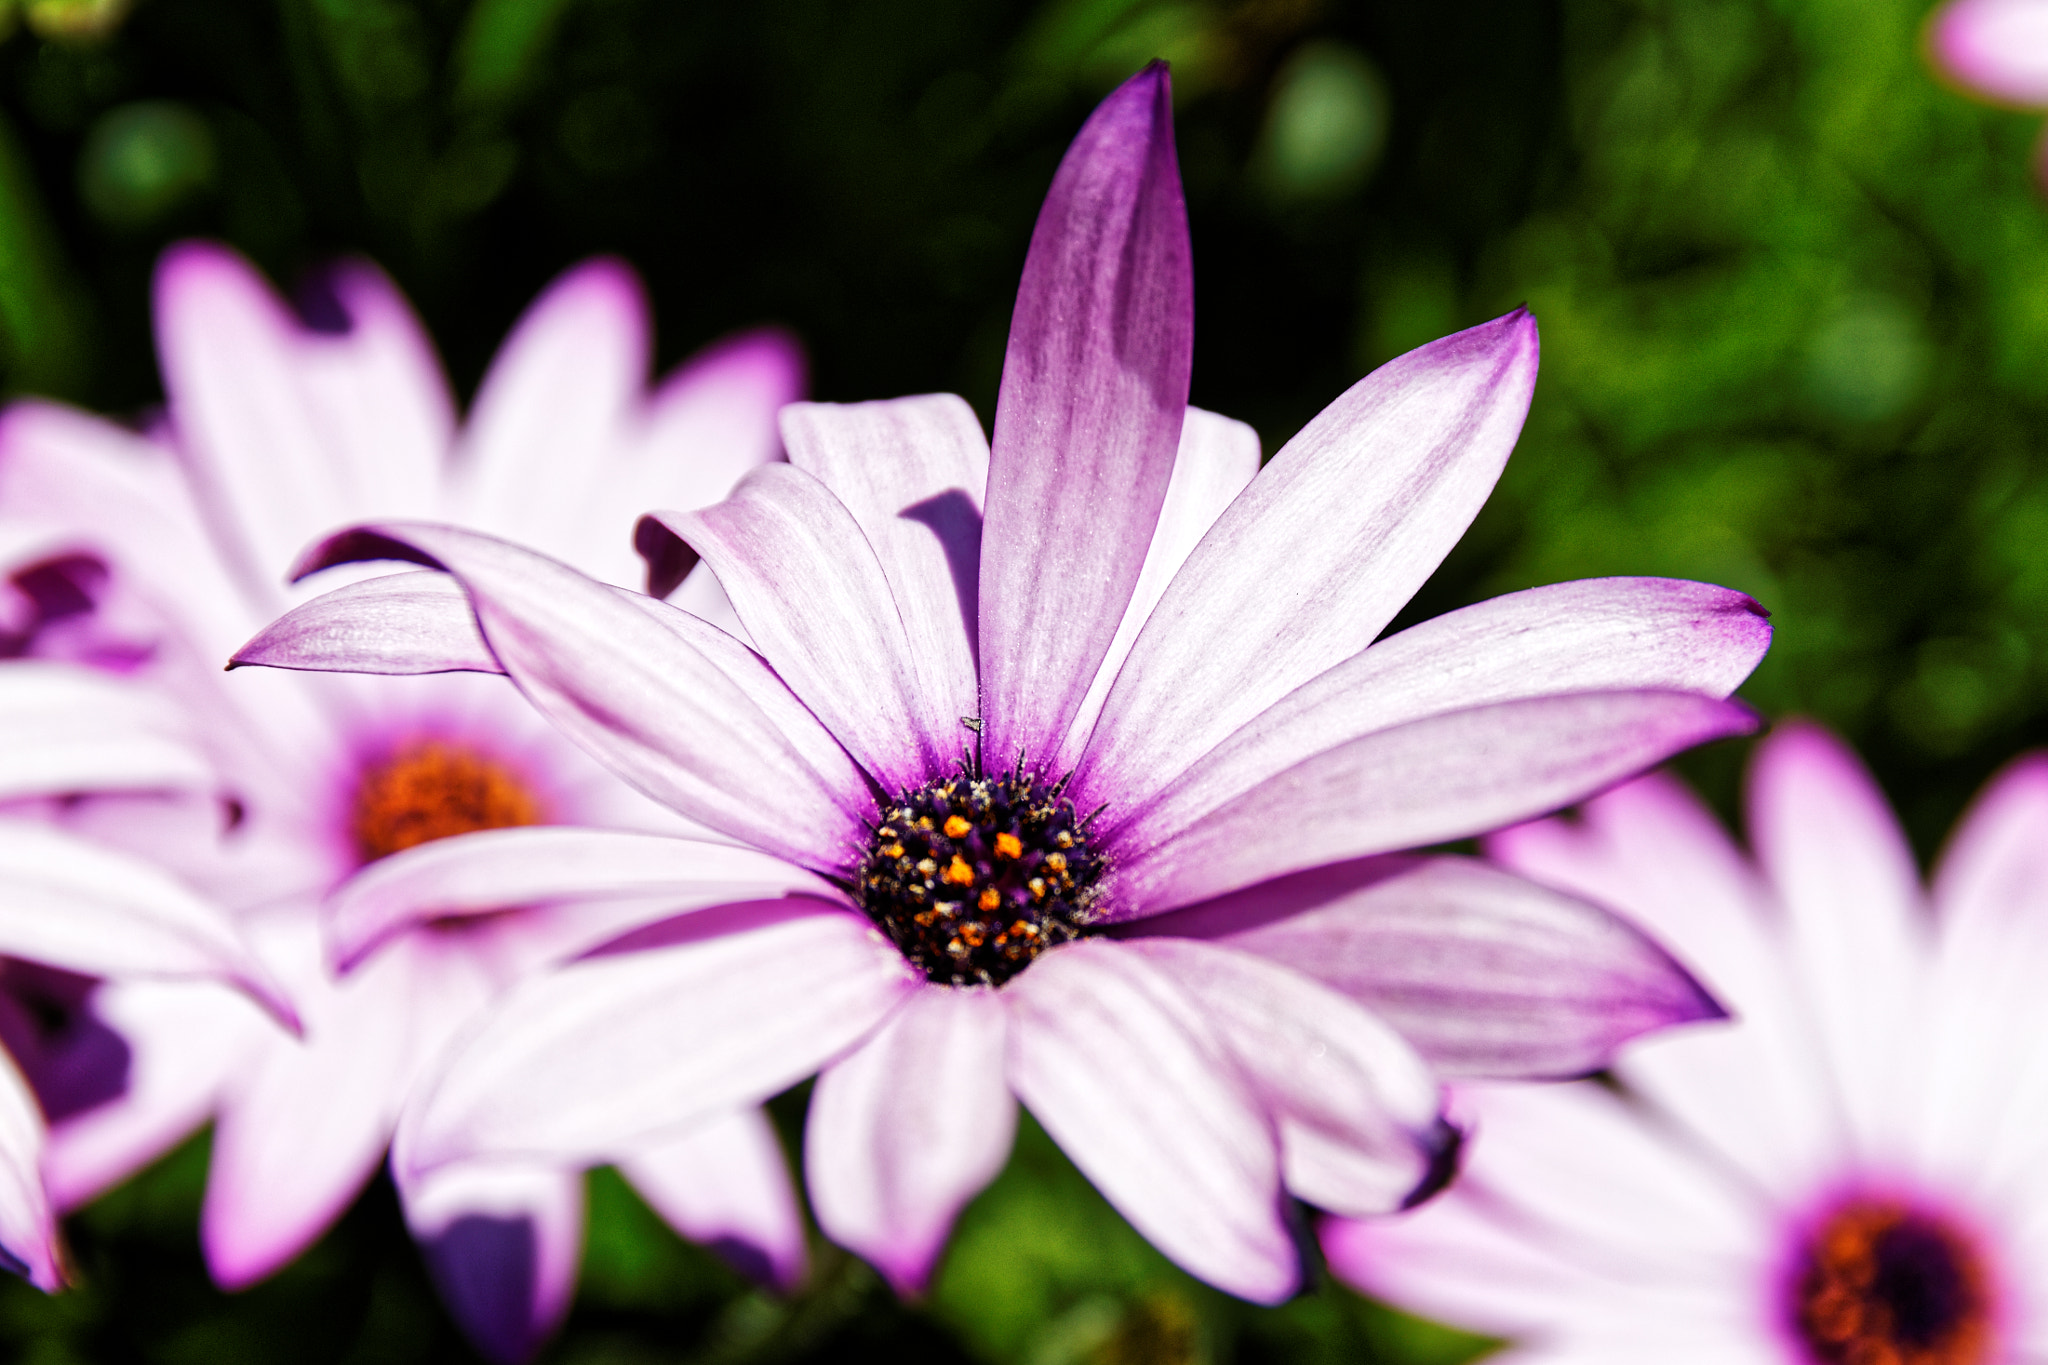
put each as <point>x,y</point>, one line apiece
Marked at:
<point>493,870</point>
<point>1594,635</point>
<point>907,1128</point>
<point>1095,384</point>
<point>1357,1109</point>
<point>676,707</point>
<point>621,1052</point>
<point>912,472</point>
<point>502,1242</point>
<point>1439,778</point>
<point>556,399</point>
<point>294,431</point>
<point>1996,47</point>
<point>28,1231</point>
<point>1124,1072</point>
<point>814,599</point>
<point>726,1183</point>
<point>1484,973</point>
<point>1332,538</point>
<point>1829,844</point>
<point>1217,458</point>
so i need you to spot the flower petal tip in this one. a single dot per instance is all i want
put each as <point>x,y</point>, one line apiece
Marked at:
<point>354,545</point>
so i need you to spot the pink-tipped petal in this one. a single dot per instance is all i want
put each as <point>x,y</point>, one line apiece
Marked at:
<point>1358,1111</point>
<point>678,708</point>
<point>400,623</point>
<point>98,911</point>
<point>66,728</point>
<point>1440,778</point>
<point>611,1054</point>
<point>557,399</point>
<point>305,1124</point>
<point>494,870</point>
<point>186,1041</point>
<point>815,602</point>
<point>1217,458</point>
<point>726,1184</point>
<point>909,1127</point>
<point>1829,844</point>
<point>1486,974</point>
<point>1998,48</point>
<point>503,1243</point>
<point>1124,1072</point>
<point>28,1230</point>
<point>912,471</point>
<point>1595,635</point>
<point>1095,384</point>
<point>1308,566</point>
<point>292,431</point>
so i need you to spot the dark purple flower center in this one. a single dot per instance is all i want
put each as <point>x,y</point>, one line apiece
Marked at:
<point>972,877</point>
<point>432,790</point>
<point>1884,1283</point>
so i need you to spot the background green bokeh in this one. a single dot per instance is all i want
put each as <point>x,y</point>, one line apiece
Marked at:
<point>1794,300</point>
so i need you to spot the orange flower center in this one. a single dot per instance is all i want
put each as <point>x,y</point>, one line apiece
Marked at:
<point>432,790</point>
<point>1885,1284</point>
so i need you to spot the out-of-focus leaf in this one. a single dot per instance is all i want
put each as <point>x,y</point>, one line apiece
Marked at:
<point>501,40</point>
<point>42,322</point>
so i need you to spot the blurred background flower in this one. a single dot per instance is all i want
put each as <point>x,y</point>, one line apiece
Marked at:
<point>1794,293</point>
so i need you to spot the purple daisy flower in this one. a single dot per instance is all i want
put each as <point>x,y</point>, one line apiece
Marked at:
<point>1010,707</point>
<point>1849,1170</point>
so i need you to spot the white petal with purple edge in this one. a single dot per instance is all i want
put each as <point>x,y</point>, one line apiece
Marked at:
<point>613,1053</point>
<point>28,1231</point>
<point>1595,635</point>
<point>403,623</point>
<point>1118,1065</point>
<point>498,869</point>
<point>1358,1110</point>
<point>1094,389</point>
<point>503,1243</point>
<point>681,710</point>
<point>68,729</point>
<point>814,600</point>
<point>1329,541</point>
<point>1443,777</point>
<point>912,471</point>
<point>1486,974</point>
<point>726,1184</point>
<point>91,909</point>
<point>907,1128</point>
<point>1217,458</point>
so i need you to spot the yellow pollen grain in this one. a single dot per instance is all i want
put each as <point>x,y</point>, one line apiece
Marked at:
<point>1037,888</point>
<point>893,851</point>
<point>958,872</point>
<point>990,899</point>
<point>1056,861</point>
<point>956,828</point>
<point>1009,846</point>
<point>972,934</point>
<point>928,866</point>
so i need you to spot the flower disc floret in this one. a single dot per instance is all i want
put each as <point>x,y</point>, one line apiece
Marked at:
<point>433,790</point>
<point>1880,1281</point>
<point>972,877</point>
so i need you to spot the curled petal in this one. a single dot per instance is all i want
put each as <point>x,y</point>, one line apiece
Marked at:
<point>502,1243</point>
<point>1308,566</point>
<point>726,1183</point>
<point>1095,384</point>
<point>494,870</point>
<point>1358,1110</point>
<point>678,708</point>
<point>1124,1072</point>
<point>1486,974</point>
<point>615,1053</point>
<point>400,623</point>
<point>1439,778</point>
<point>907,1128</point>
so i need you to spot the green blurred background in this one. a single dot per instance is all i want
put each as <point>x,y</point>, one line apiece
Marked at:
<point>1794,300</point>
